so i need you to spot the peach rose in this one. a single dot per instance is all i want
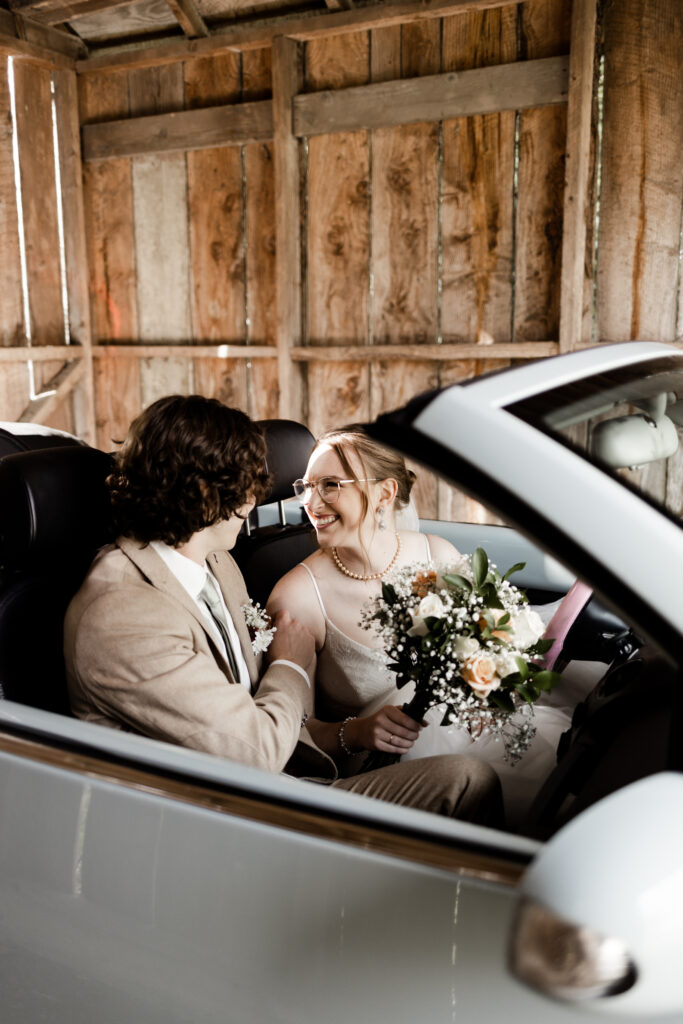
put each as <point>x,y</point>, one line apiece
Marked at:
<point>480,673</point>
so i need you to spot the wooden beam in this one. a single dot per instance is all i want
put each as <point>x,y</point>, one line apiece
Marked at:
<point>40,409</point>
<point>189,18</point>
<point>218,351</point>
<point>577,172</point>
<point>424,353</point>
<point>236,124</point>
<point>532,83</point>
<point>433,98</point>
<point>54,12</point>
<point>75,248</point>
<point>39,353</point>
<point>15,27</point>
<point>286,71</point>
<point>46,47</point>
<point>261,33</point>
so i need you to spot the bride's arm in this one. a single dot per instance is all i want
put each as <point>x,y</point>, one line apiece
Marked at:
<point>295,594</point>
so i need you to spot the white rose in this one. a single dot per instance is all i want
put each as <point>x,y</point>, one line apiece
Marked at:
<point>429,606</point>
<point>527,627</point>
<point>465,647</point>
<point>505,663</point>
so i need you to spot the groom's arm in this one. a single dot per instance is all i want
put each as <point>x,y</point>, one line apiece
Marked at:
<point>135,659</point>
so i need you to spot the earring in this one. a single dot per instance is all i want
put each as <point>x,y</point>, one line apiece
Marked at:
<point>381,525</point>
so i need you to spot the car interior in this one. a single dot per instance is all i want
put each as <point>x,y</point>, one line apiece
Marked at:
<point>55,515</point>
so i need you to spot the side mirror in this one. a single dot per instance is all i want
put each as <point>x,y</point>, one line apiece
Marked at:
<point>601,916</point>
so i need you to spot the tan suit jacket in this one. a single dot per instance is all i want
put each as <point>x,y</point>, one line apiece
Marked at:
<point>138,657</point>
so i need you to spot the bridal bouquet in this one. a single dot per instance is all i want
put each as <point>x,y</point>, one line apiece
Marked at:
<point>469,641</point>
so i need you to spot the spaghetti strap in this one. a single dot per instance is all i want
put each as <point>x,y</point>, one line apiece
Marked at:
<point>429,552</point>
<point>317,589</point>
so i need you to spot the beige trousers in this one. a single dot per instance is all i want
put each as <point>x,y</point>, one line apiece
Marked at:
<point>448,784</point>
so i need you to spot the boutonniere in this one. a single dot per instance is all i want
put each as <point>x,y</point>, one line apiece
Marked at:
<point>258,623</point>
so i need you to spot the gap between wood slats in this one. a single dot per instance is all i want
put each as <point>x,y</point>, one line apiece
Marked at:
<point>21,29</point>
<point>384,104</point>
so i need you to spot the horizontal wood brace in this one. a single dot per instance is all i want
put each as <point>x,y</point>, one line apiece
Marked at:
<point>40,353</point>
<point>532,83</point>
<point>219,351</point>
<point>432,98</point>
<point>256,36</point>
<point>236,124</point>
<point>447,352</point>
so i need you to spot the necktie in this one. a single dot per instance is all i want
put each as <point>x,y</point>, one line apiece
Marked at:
<point>576,598</point>
<point>210,597</point>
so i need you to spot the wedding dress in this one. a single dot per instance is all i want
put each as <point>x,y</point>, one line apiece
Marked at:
<point>352,679</point>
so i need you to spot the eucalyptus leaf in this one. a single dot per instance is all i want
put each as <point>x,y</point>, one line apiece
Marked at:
<point>541,646</point>
<point>480,567</point>
<point>517,567</point>
<point>523,667</point>
<point>527,693</point>
<point>454,579</point>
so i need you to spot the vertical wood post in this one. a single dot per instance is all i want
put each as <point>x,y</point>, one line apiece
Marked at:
<point>75,254</point>
<point>577,171</point>
<point>286,79</point>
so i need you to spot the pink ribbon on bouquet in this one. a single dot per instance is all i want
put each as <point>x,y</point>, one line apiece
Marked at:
<point>573,603</point>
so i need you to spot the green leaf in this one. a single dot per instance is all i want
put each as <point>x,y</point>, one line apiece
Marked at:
<point>546,680</point>
<point>388,593</point>
<point>501,700</point>
<point>480,567</point>
<point>527,692</point>
<point>523,667</point>
<point>454,579</point>
<point>517,567</point>
<point>541,646</point>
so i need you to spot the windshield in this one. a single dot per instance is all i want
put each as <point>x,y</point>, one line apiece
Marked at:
<point>629,421</point>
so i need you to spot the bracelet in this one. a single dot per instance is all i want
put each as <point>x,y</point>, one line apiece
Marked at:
<point>342,742</point>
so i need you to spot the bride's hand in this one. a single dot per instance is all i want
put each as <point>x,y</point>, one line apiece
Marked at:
<point>388,729</point>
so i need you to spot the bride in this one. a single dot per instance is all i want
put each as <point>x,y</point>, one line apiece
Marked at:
<point>352,493</point>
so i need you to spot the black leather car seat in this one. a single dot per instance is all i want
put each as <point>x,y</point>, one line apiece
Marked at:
<point>265,551</point>
<point>54,514</point>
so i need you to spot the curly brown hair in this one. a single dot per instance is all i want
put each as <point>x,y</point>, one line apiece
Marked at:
<point>187,463</point>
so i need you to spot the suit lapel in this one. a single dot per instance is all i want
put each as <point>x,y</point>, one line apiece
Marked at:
<point>155,570</point>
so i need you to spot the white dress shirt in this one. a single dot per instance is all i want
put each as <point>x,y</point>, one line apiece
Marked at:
<point>192,578</point>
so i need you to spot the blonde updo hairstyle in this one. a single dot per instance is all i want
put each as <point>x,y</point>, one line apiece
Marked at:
<point>376,462</point>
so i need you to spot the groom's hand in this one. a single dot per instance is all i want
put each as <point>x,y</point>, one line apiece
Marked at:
<point>292,642</point>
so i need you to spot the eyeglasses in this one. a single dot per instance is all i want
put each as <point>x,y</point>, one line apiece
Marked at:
<point>328,487</point>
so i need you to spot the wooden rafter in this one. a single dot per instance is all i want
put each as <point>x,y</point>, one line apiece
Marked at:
<point>46,46</point>
<point>188,17</point>
<point>260,34</point>
<point>55,12</point>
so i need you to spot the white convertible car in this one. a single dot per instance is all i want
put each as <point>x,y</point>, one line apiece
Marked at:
<point>147,883</point>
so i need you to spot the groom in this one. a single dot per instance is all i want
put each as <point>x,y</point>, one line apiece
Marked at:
<point>156,640</point>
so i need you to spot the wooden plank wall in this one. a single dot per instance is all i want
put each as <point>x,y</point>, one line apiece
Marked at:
<point>445,233</point>
<point>41,293</point>
<point>181,245</point>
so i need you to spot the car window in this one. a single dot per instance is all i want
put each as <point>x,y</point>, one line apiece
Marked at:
<point>629,421</point>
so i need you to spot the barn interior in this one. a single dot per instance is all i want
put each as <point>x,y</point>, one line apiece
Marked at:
<point>316,210</point>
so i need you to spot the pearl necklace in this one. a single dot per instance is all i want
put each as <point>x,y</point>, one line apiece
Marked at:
<point>372,575</point>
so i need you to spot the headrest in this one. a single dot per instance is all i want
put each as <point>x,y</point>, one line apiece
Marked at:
<point>25,442</point>
<point>289,447</point>
<point>54,505</point>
